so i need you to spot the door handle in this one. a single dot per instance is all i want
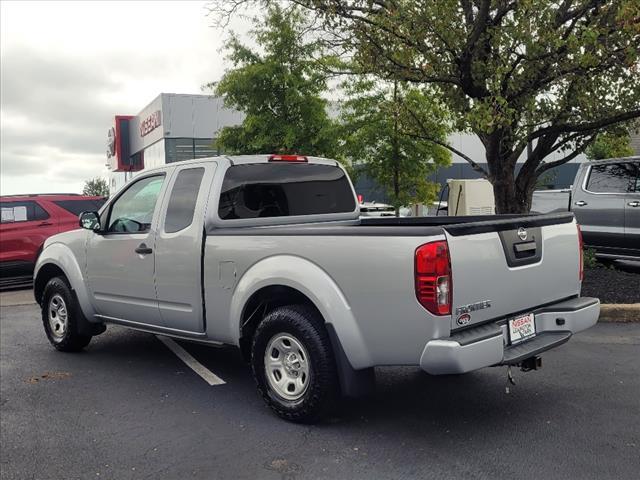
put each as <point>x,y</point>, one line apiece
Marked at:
<point>635,203</point>
<point>143,249</point>
<point>45,224</point>
<point>580,203</point>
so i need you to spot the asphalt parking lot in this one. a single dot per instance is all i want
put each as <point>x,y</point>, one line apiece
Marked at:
<point>129,408</point>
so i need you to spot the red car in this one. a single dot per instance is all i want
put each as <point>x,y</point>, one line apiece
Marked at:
<point>27,221</point>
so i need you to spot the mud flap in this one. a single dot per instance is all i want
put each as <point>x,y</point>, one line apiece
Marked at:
<point>353,383</point>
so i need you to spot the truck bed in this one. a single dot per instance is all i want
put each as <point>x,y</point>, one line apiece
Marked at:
<point>406,226</point>
<point>370,264</point>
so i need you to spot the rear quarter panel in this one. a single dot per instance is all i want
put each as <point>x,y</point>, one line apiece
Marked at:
<point>364,286</point>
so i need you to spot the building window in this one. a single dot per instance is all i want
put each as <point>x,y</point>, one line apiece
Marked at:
<point>179,149</point>
<point>204,147</point>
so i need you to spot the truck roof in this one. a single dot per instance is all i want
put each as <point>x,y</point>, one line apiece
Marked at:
<point>634,158</point>
<point>246,159</point>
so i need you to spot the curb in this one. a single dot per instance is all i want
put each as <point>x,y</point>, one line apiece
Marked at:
<point>17,304</point>
<point>620,313</point>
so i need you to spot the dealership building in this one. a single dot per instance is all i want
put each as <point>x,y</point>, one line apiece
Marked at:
<point>175,127</point>
<point>170,129</point>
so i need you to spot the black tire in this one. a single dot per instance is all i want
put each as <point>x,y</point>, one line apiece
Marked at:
<point>306,326</point>
<point>67,339</point>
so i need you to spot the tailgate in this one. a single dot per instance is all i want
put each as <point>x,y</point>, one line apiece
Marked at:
<point>506,266</point>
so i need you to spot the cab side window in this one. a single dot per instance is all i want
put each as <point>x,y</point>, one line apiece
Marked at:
<point>27,211</point>
<point>132,211</point>
<point>182,202</point>
<point>612,178</point>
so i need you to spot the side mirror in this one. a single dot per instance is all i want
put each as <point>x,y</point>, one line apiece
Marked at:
<point>90,221</point>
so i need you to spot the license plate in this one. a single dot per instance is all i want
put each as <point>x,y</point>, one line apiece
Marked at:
<point>522,328</point>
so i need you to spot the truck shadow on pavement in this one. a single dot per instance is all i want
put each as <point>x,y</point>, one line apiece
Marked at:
<point>405,398</point>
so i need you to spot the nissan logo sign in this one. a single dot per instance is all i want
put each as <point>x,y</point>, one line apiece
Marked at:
<point>150,123</point>
<point>522,233</point>
<point>111,142</point>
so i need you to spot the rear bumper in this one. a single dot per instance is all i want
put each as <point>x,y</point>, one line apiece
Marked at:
<point>487,344</point>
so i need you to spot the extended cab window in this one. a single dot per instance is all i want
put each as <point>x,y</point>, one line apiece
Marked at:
<point>284,189</point>
<point>22,212</point>
<point>183,199</point>
<point>612,178</point>
<point>132,211</point>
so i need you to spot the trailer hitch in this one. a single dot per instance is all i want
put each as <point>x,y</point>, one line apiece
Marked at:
<point>532,363</point>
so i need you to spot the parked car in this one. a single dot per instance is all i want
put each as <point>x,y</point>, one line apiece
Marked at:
<point>268,253</point>
<point>27,221</point>
<point>374,209</point>
<point>605,198</point>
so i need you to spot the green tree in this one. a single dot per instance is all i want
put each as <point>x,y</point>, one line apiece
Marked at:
<point>549,74</point>
<point>96,187</point>
<point>610,145</point>
<point>279,89</point>
<point>378,135</point>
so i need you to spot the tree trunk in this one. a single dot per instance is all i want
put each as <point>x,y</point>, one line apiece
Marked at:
<point>512,196</point>
<point>509,197</point>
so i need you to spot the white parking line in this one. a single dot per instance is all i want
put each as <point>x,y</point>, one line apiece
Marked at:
<point>206,374</point>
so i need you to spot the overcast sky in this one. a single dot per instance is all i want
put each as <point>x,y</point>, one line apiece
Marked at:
<point>68,67</point>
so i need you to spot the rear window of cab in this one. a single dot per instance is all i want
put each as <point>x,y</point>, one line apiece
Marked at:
<point>284,189</point>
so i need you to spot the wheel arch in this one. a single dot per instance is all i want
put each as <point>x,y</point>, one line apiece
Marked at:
<point>287,279</point>
<point>40,280</point>
<point>55,260</point>
<point>263,301</point>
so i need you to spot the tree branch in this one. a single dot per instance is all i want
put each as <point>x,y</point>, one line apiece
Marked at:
<point>473,164</point>
<point>585,127</point>
<point>549,165</point>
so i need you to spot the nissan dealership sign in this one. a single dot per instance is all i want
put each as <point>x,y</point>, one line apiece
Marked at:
<point>111,143</point>
<point>150,123</point>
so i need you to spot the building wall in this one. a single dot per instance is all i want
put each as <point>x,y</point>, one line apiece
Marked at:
<point>183,116</point>
<point>188,128</point>
<point>154,155</point>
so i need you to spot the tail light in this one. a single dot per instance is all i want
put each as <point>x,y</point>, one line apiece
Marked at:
<point>581,247</point>
<point>288,158</point>
<point>433,277</point>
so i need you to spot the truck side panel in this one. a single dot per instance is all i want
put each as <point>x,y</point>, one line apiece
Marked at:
<point>379,288</point>
<point>309,279</point>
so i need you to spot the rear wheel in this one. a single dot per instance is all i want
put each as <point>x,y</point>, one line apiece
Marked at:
<point>293,364</point>
<point>61,316</point>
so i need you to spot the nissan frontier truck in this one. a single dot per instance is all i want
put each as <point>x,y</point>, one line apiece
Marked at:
<point>268,253</point>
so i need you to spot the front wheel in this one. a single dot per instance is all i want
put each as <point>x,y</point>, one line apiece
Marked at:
<point>293,364</point>
<point>61,317</point>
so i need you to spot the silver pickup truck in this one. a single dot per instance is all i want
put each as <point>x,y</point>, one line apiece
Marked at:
<point>268,253</point>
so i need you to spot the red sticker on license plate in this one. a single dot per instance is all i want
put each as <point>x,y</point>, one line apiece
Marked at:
<point>522,328</point>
